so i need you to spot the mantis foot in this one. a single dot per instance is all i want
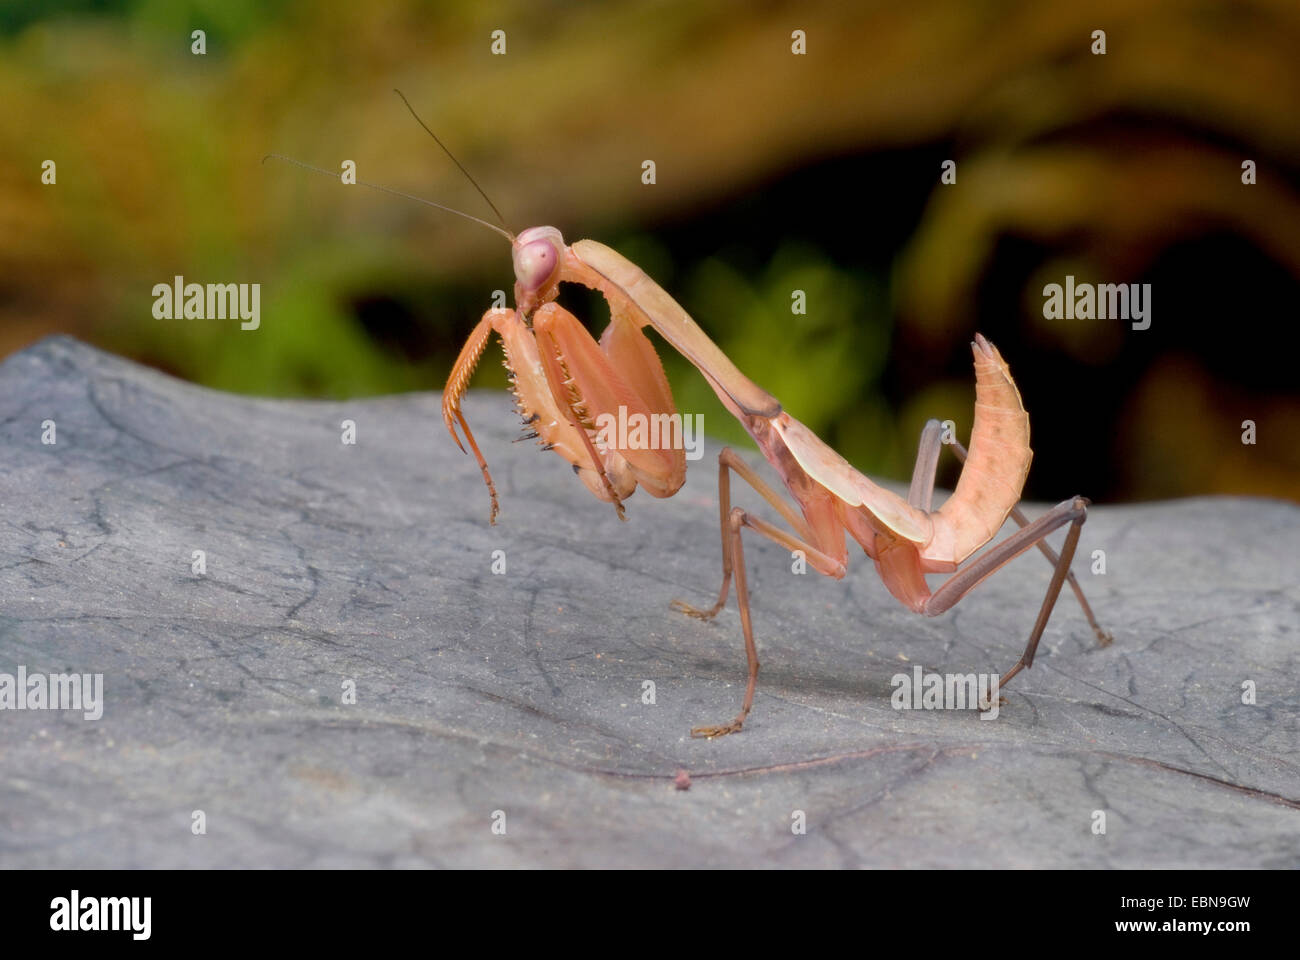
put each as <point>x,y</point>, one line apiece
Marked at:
<point>708,733</point>
<point>683,607</point>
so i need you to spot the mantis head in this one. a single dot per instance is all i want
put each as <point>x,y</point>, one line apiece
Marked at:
<point>538,252</point>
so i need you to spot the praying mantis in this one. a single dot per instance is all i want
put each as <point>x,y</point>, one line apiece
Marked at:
<point>564,381</point>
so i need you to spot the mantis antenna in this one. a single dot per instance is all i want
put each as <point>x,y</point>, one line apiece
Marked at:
<point>500,219</point>
<point>407,196</point>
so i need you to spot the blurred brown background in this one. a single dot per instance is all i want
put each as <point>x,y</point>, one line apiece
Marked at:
<point>775,172</point>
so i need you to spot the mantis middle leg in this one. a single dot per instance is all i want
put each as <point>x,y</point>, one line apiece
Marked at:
<point>733,519</point>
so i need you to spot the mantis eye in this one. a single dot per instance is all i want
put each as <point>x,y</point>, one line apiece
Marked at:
<point>535,264</point>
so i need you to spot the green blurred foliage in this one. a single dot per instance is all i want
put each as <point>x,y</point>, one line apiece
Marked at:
<point>845,338</point>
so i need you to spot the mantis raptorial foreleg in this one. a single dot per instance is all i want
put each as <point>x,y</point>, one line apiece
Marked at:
<point>573,405</point>
<point>497,319</point>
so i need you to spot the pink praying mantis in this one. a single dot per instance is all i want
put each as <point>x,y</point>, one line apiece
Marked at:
<point>564,381</point>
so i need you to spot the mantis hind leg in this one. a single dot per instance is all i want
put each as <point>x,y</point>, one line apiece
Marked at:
<point>922,494</point>
<point>1074,512</point>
